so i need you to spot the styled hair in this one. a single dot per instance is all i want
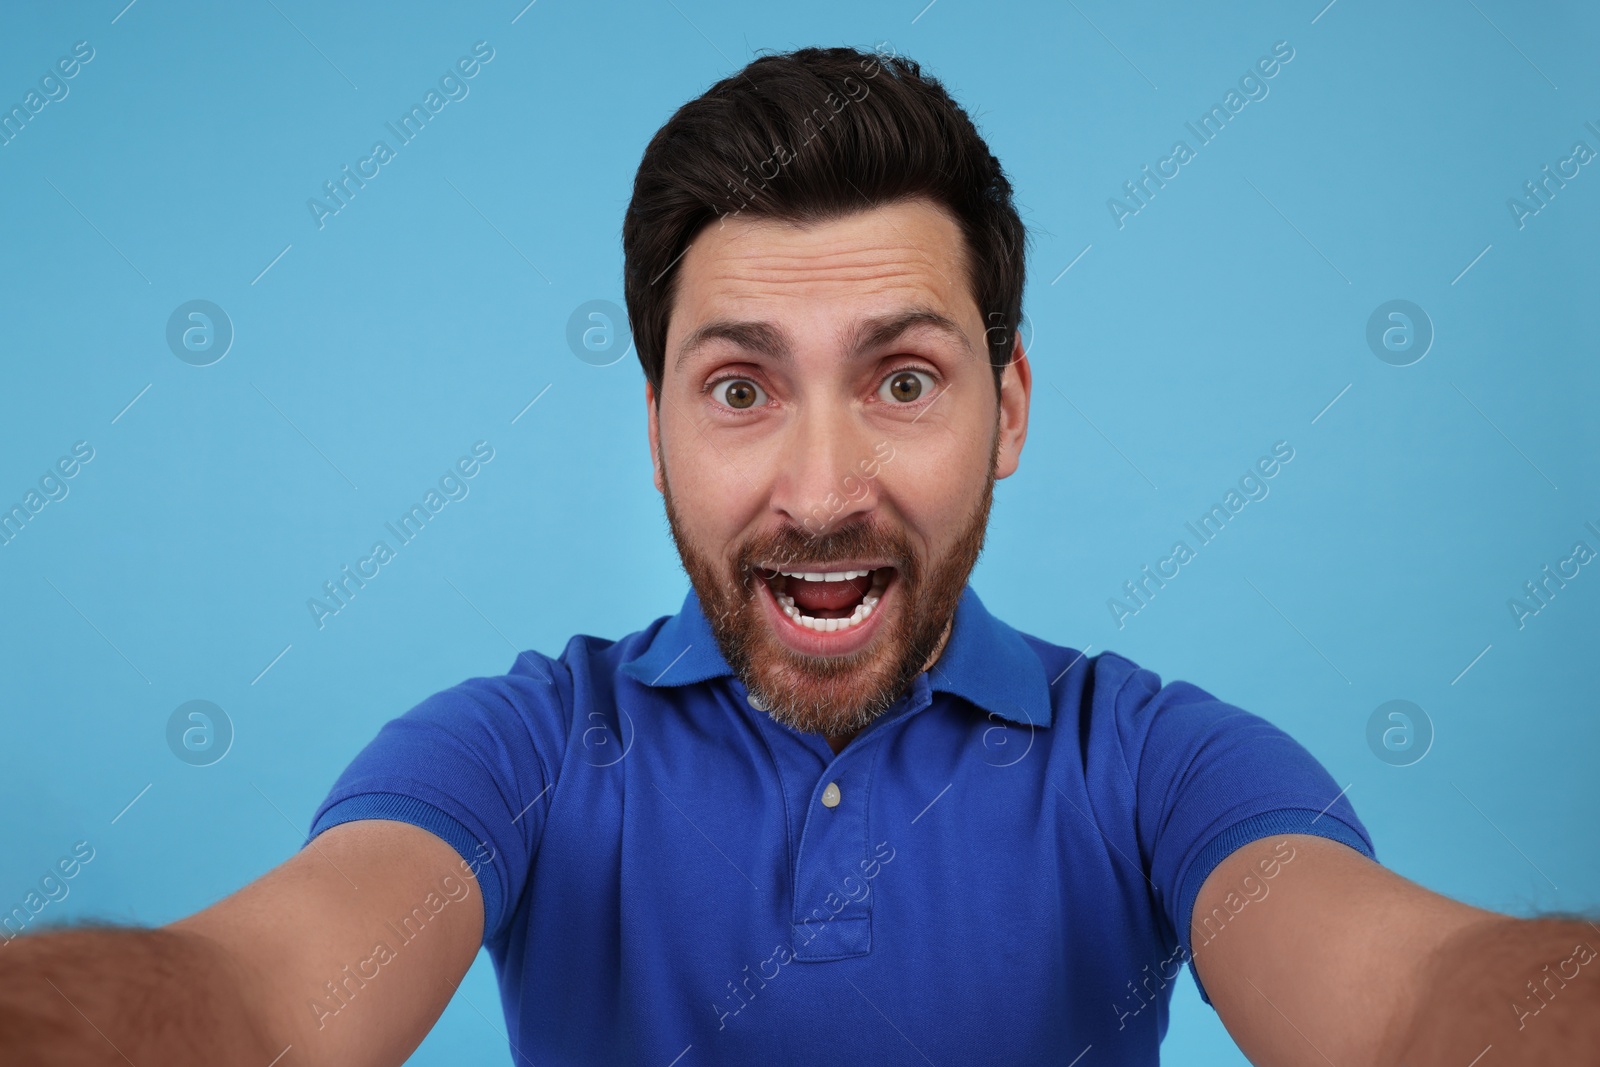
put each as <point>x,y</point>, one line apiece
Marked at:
<point>811,136</point>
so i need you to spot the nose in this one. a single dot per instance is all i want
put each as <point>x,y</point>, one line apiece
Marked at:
<point>823,464</point>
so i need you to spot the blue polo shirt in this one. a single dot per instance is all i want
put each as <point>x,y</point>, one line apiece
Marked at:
<point>999,869</point>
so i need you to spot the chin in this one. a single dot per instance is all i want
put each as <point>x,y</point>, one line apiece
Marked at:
<point>832,696</point>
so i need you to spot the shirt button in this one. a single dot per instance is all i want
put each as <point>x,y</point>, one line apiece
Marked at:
<point>830,795</point>
<point>755,702</point>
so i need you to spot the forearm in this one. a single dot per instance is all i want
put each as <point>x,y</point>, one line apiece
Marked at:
<point>113,996</point>
<point>1530,988</point>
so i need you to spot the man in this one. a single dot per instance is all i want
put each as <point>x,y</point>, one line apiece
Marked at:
<point>833,810</point>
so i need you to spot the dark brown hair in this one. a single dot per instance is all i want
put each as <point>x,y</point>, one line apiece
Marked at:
<point>810,136</point>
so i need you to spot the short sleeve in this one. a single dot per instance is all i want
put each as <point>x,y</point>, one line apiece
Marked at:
<point>470,764</point>
<point>1209,778</point>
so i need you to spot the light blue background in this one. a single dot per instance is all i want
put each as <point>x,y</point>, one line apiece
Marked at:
<point>1225,316</point>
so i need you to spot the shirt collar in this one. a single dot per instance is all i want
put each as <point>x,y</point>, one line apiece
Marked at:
<point>985,662</point>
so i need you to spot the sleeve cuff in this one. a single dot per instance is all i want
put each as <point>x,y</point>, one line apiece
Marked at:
<point>397,808</point>
<point>1267,824</point>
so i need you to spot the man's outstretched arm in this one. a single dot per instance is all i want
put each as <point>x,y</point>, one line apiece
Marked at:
<point>345,954</point>
<point>1325,957</point>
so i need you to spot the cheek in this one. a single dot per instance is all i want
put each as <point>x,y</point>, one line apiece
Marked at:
<point>932,485</point>
<point>941,465</point>
<point>945,453</point>
<point>716,492</point>
<point>709,500</point>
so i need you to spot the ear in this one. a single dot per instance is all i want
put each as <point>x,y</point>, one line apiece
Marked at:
<point>653,416</point>
<point>1016,387</point>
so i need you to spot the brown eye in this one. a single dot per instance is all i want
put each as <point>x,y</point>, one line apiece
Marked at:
<point>740,393</point>
<point>905,387</point>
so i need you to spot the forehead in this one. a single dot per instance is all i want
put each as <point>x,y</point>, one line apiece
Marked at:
<point>909,253</point>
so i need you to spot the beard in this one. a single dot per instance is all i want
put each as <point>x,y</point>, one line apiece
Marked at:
<point>835,696</point>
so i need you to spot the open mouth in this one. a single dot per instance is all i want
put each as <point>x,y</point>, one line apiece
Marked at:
<point>828,600</point>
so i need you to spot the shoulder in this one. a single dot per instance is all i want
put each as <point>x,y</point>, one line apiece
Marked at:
<point>532,705</point>
<point>1157,726</point>
<point>1105,685</point>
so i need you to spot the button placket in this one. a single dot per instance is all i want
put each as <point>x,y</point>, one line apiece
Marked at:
<point>832,902</point>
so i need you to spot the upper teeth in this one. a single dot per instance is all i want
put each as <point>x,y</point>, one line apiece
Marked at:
<point>825,576</point>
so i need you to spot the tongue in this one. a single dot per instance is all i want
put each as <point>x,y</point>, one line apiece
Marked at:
<point>818,597</point>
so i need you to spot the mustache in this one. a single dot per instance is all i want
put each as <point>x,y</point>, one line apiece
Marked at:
<point>790,544</point>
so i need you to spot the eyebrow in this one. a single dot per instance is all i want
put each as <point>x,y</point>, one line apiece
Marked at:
<point>771,341</point>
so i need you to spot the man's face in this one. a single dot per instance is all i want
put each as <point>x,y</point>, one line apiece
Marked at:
<point>827,440</point>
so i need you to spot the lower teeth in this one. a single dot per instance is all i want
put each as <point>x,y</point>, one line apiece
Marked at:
<point>863,610</point>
